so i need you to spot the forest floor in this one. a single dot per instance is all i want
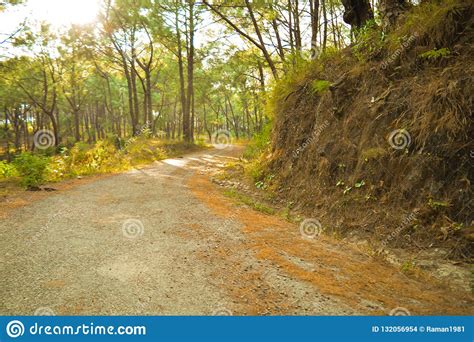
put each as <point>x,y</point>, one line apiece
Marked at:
<point>165,240</point>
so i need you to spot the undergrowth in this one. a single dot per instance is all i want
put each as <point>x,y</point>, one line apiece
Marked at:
<point>34,169</point>
<point>249,201</point>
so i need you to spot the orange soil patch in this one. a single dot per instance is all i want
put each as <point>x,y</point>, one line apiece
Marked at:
<point>341,270</point>
<point>250,299</point>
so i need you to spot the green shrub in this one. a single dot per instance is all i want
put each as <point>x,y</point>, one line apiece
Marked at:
<point>31,168</point>
<point>59,166</point>
<point>100,158</point>
<point>369,41</point>
<point>6,169</point>
<point>319,86</point>
<point>435,54</point>
<point>259,143</point>
<point>143,151</point>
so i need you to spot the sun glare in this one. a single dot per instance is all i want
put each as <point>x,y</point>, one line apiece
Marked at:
<point>65,12</point>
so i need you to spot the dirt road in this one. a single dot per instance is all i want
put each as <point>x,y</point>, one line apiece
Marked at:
<point>165,241</point>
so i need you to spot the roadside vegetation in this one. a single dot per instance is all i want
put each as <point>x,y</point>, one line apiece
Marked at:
<point>32,170</point>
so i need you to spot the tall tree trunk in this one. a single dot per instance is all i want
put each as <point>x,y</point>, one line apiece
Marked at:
<point>7,136</point>
<point>185,114</point>
<point>325,25</point>
<point>148,96</point>
<point>314,13</point>
<point>235,120</point>
<point>188,122</point>
<point>136,128</point>
<point>297,30</point>
<point>290,25</point>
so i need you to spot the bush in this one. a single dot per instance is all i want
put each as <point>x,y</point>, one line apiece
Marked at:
<point>436,54</point>
<point>369,42</point>
<point>102,157</point>
<point>320,86</point>
<point>31,168</point>
<point>6,169</point>
<point>260,142</point>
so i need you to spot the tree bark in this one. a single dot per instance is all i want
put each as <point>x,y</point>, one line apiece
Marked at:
<point>188,127</point>
<point>390,11</point>
<point>357,12</point>
<point>314,13</point>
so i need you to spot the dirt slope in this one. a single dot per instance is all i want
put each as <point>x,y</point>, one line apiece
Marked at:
<point>376,140</point>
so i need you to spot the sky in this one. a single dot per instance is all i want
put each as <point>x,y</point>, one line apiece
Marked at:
<point>57,12</point>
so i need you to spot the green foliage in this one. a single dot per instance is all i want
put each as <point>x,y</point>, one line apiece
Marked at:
<point>6,170</point>
<point>31,168</point>
<point>103,157</point>
<point>83,159</point>
<point>242,198</point>
<point>369,41</point>
<point>408,266</point>
<point>142,151</point>
<point>296,78</point>
<point>436,54</point>
<point>264,183</point>
<point>256,153</point>
<point>259,143</point>
<point>438,204</point>
<point>331,53</point>
<point>320,86</point>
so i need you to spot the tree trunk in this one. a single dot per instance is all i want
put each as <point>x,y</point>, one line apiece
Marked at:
<point>325,25</point>
<point>297,30</point>
<point>264,50</point>
<point>188,123</point>
<point>390,10</point>
<point>314,12</point>
<point>185,114</point>
<point>357,12</point>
